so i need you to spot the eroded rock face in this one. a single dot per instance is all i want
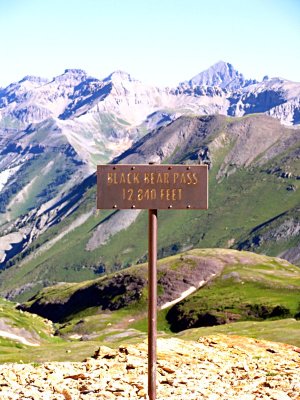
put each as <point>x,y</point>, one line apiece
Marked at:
<point>219,367</point>
<point>113,224</point>
<point>284,227</point>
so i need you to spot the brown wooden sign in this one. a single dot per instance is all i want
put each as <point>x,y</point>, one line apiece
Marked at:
<point>152,187</point>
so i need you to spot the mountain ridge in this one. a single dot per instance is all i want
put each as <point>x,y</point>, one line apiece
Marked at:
<point>254,176</point>
<point>64,127</point>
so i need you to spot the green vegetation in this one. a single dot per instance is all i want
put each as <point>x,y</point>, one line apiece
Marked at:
<point>28,326</point>
<point>236,207</point>
<point>223,302</point>
<point>11,351</point>
<point>271,237</point>
<point>284,331</point>
<point>249,289</point>
<point>259,288</point>
<point>19,319</point>
<point>239,202</point>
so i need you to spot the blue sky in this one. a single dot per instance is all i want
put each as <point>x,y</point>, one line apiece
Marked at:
<point>161,42</point>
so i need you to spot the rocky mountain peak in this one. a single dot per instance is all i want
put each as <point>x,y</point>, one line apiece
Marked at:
<point>118,76</point>
<point>221,74</point>
<point>34,79</point>
<point>75,71</point>
<point>27,83</point>
<point>71,75</point>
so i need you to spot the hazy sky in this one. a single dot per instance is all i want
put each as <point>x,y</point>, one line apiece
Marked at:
<point>161,42</point>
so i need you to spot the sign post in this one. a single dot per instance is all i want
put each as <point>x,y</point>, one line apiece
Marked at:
<point>152,187</point>
<point>152,302</point>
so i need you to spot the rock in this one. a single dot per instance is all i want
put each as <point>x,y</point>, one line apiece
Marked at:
<point>214,368</point>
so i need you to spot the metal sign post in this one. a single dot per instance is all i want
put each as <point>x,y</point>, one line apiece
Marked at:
<point>152,302</point>
<point>152,187</point>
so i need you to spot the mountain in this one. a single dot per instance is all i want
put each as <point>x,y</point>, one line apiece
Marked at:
<point>76,121</point>
<point>253,180</point>
<point>223,75</point>
<point>24,328</point>
<point>276,97</point>
<point>53,133</point>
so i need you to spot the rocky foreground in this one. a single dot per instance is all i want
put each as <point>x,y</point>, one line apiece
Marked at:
<point>217,367</point>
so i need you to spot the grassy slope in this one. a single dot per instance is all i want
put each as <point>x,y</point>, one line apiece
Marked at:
<point>248,280</point>
<point>270,237</point>
<point>280,282</point>
<point>242,292</point>
<point>19,319</point>
<point>43,185</point>
<point>24,323</point>
<point>284,331</point>
<point>237,204</point>
<point>248,289</point>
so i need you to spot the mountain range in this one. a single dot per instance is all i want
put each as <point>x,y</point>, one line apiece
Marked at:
<point>53,133</point>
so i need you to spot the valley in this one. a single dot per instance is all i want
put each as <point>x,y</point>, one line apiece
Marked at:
<point>233,269</point>
<point>247,199</point>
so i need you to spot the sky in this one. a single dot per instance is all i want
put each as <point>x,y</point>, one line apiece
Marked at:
<point>159,42</point>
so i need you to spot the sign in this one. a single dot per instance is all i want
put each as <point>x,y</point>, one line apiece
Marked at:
<point>152,187</point>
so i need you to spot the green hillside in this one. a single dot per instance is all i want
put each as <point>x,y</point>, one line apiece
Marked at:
<point>284,330</point>
<point>22,332</point>
<point>246,193</point>
<point>239,286</point>
<point>269,289</point>
<point>248,294</point>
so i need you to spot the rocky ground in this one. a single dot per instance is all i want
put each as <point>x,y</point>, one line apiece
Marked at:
<point>217,367</point>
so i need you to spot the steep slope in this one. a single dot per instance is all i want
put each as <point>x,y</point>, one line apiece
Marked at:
<point>277,97</point>
<point>248,183</point>
<point>282,231</point>
<point>200,287</point>
<point>177,274</point>
<point>96,120</point>
<point>25,230</point>
<point>243,291</point>
<point>75,121</point>
<point>38,166</point>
